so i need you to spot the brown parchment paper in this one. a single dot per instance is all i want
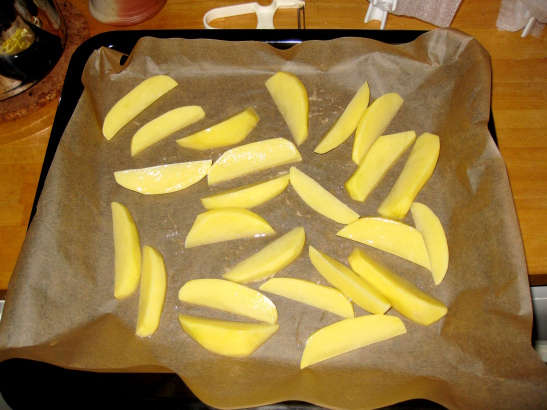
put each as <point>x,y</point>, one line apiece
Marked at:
<point>60,306</point>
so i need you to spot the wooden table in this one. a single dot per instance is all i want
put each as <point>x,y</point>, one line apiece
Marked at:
<point>519,102</point>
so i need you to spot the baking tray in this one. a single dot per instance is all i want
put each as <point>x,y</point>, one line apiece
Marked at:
<point>24,383</point>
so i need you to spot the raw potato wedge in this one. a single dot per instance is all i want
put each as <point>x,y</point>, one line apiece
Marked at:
<point>348,335</point>
<point>434,237</point>
<point>253,157</point>
<point>226,224</point>
<point>231,131</point>
<point>247,196</point>
<point>321,200</point>
<point>163,179</point>
<point>152,292</point>
<point>310,293</point>
<point>229,297</point>
<point>127,252</point>
<point>165,125</point>
<point>269,260</point>
<point>405,297</point>
<point>389,236</point>
<point>349,283</point>
<point>373,123</point>
<point>233,339</point>
<point>134,102</point>
<point>347,123</point>
<point>291,99</point>
<point>418,169</point>
<point>382,155</point>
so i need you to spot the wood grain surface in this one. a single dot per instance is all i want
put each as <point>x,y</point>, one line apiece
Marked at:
<point>519,102</point>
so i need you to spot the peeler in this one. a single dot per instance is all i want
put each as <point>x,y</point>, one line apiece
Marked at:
<point>264,14</point>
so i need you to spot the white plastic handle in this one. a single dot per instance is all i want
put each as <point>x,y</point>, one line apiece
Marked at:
<point>264,14</point>
<point>376,13</point>
<point>529,25</point>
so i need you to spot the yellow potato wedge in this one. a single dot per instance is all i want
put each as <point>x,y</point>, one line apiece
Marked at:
<point>135,102</point>
<point>434,237</point>
<point>127,252</point>
<point>229,297</point>
<point>152,292</point>
<point>163,126</point>
<point>348,335</point>
<point>349,283</point>
<point>382,155</point>
<point>226,338</point>
<point>390,236</point>
<point>226,224</point>
<point>269,260</point>
<point>310,293</point>
<point>347,123</point>
<point>319,199</point>
<point>163,179</point>
<point>405,297</point>
<point>417,171</point>
<point>247,196</point>
<point>230,131</point>
<point>373,123</point>
<point>253,157</point>
<point>291,99</point>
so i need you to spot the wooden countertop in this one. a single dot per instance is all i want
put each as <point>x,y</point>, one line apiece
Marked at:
<point>519,102</point>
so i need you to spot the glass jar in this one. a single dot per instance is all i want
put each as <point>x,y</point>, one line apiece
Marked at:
<point>32,40</point>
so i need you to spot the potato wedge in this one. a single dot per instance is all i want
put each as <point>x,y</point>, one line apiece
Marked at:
<point>291,99</point>
<point>163,179</point>
<point>253,157</point>
<point>135,102</point>
<point>163,126</point>
<point>418,169</point>
<point>390,236</point>
<point>226,224</point>
<point>434,237</point>
<point>373,123</point>
<point>247,196</point>
<point>226,338</point>
<point>349,283</point>
<point>229,297</point>
<point>382,155</point>
<point>319,199</point>
<point>230,131</point>
<point>127,252</point>
<point>310,293</point>
<point>269,260</point>
<point>347,123</point>
<point>404,296</point>
<point>348,335</point>
<point>152,292</point>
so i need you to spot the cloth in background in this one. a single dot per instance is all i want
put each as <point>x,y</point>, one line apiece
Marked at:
<point>515,14</point>
<point>437,12</point>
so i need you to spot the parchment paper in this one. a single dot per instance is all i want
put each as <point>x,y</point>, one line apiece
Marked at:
<point>60,306</point>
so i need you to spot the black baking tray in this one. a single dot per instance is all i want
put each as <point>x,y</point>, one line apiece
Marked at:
<point>28,384</point>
